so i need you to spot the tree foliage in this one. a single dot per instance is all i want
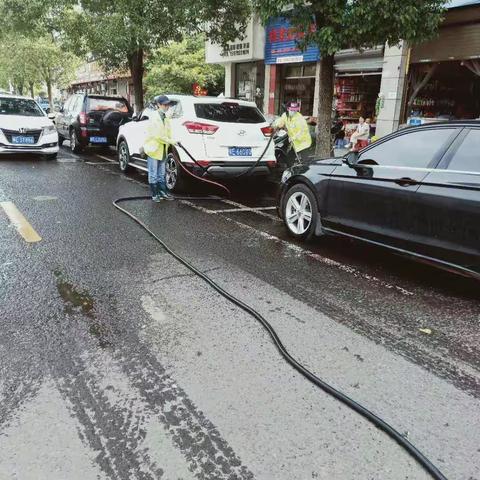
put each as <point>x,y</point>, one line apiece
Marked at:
<point>36,61</point>
<point>177,66</point>
<point>340,24</point>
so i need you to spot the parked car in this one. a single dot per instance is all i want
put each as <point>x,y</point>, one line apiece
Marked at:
<point>416,191</point>
<point>25,127</point>
<point>225,136</point>
<point>88,120</point>
<point>44,104</point>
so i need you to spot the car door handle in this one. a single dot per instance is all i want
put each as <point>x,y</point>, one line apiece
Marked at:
<point>405,181</point>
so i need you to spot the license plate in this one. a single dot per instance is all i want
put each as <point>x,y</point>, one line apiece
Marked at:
<point>98,140</point>
<point>240,151</point>
<point>20,140</point>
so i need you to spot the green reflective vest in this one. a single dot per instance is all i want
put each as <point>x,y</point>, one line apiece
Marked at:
<point>159,137</point>
<point>297,129</point>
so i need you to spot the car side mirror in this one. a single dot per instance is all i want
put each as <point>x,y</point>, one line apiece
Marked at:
<point>51,116</point>
<point>351,159</point>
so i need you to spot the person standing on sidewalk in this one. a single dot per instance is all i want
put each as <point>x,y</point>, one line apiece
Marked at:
<point>157,142</point>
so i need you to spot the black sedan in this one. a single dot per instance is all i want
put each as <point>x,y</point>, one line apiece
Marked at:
<point>416,191</point>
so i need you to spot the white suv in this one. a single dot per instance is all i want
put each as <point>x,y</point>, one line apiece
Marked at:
<point>26,128</point>
<point>225,136</point>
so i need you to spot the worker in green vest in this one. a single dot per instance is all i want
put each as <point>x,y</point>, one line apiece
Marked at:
<point>158,140</point>
<point>297,128</point>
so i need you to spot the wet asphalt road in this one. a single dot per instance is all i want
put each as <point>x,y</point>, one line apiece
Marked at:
<point>117,363</point>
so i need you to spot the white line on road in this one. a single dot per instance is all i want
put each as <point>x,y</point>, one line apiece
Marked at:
<point>106,158</point>
<point>302,251</point>
<point>263,214</point>
<point>246,209</point>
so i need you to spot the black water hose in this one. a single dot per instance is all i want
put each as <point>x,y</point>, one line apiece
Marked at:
<point>364,412</point>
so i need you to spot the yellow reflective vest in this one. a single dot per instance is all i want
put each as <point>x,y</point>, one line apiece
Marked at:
<point>159,137</point>
<point>297,129</point>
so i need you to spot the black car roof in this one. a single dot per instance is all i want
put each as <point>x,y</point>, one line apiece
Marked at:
<point>108,97</point>
<point>447,123</point>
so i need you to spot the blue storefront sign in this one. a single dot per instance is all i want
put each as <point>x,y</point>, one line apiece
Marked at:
<point>281,46</point>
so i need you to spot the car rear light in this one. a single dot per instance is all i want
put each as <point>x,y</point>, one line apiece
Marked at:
<point>198,127</point>
<point>271,163</point>
<point>83,132</point>
<point>267,131</point>
<point>203,163</point>
<point>83,118</point>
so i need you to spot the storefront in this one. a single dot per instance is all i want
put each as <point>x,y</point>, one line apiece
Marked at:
<point>292,71</point>
<point>444,74</point>
<point>358,77</point>
<point>244,65</point>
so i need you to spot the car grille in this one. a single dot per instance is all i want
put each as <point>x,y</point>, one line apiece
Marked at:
<point>30,133</point>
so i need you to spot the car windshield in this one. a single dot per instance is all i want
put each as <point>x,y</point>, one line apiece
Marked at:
<point>230,112</point>
<point>103,104</point>
<point>20,106</point>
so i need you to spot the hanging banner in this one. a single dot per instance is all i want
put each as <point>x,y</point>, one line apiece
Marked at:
<point>281,46</point>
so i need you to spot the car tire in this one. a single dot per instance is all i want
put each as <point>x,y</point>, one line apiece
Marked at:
<point>123,156</point>
<point>175,177</point>
<point>300,212</point>
<point>75,146</point>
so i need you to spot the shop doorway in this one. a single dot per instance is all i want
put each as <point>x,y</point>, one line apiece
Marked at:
<point>298,84</point>
<point>443,91</point>
<point>250,82</point>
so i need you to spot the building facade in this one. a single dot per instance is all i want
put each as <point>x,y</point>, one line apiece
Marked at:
<point>394,85</point>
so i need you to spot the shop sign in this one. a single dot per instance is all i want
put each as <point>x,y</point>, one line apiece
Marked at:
<point>199,91</point>
<point>281,44</point>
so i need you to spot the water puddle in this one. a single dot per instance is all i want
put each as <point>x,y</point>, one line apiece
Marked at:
<point>78,302</point>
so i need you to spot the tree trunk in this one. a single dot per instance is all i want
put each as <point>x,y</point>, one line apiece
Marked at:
<point>135,62</point>
<point>20,89</point>
<point>49,92</point>
<point>32,93</point>
<point>325,99</point>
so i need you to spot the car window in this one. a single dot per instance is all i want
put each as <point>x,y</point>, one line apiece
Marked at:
<point>66,105</point>
<point>20,106</point>
<point>103,104</point>
<point>230,112</point>
<point>77,105</point>
<point>414,149</point>
<point>467,157</point>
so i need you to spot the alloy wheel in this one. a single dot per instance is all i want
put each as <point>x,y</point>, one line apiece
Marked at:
<point>73,141</point>
<point>298,213</point>
<point>171,174</point>
<point>123,156</point>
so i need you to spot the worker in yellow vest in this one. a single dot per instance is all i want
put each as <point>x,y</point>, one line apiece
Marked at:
<point>157,142</point>
<point>297,128</point>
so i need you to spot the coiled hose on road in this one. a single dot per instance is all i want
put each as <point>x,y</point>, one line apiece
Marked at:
<point>346,400</point>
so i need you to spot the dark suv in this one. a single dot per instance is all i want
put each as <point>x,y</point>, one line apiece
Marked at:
<point>91,120</point>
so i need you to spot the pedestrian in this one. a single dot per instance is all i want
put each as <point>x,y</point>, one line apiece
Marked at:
<point>362,132</point>
<point>158,140</point>
<point>338,132</point>
<point>297,129</point>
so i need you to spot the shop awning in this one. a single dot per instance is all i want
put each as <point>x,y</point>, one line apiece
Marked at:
<point>461,3</point>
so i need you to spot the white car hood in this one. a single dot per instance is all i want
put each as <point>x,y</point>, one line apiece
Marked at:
<point>14,122</point>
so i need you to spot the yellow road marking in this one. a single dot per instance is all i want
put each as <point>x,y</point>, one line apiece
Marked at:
<point>20,222</point>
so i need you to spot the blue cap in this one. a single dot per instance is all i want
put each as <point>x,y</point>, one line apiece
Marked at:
<point>162,100</point>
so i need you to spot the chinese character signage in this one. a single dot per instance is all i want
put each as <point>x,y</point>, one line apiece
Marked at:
<point>281,47</point>
<point>236,49</point>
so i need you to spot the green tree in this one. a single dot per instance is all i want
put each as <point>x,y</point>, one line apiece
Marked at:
<point>358,24</point>
<point>19,70</point>
<point>177,66</point>
<point>121,34</point>
<point>35,61</point>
